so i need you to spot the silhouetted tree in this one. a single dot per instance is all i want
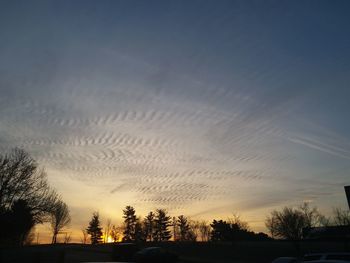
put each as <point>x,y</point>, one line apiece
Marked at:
<point>16,223</point>
<point>67,238</point>
<point>115,233</point>
<point>193,232</point>
<point>236,222</point>
<point>341,217</point>
<point>148,223</point>
<point>204,230</point>
<point>94,229</point>
<point>84,239</point>
<point>24,190</point>
<point>161,226</point>
<point>312,216</point>
<point>287,224</point>
<point>107,230</point>
<point>233,230</point>
<point>20,178</point>
<point>221,231</point>
<point>140,235</point>
<point>292,223</point>
<point>185,231</point>
<point>130,221</point>
<point>59,218</point>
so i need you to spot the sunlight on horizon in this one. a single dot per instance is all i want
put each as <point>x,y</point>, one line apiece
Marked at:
<point>203,108</point>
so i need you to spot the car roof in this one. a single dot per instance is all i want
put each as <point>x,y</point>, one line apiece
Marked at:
<point>327,261</point>
<point>327,253</point>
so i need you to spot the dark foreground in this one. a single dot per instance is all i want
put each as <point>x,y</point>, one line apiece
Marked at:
<point>263,251</point>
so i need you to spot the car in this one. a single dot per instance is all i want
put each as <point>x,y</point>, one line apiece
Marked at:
<point>326,257</point>
<point>285,260</point>
<point>155,255</point>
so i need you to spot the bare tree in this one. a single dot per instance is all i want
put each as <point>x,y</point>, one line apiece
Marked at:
<point>21,179</point>
<point>116,233</point>
<point>107,230</point>
<point>204,230</point>
<point>287,224</point>
<point>312,216</point>
<point>341,217</point>
<point>271,224</point>
<point>59,219</point>
<point>67,238</point>
<point>23,190</point>
<point>290,223</point>
<point>236,220</point>
<point>194,229</point>
<point>85,237</point>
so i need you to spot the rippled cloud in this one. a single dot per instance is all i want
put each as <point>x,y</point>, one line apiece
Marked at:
<point>192,124</point>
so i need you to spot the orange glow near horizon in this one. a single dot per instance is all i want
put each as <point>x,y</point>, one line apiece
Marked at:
<point>109,239</point>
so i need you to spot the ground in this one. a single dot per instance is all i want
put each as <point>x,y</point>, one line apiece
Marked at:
<point>188,252</point>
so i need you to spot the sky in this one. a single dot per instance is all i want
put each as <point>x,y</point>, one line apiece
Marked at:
<point>204,108</point>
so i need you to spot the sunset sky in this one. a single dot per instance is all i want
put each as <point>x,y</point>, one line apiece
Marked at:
<point>204,108</point>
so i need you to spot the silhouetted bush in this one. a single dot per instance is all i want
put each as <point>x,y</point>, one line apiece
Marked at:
<point>224,231</point>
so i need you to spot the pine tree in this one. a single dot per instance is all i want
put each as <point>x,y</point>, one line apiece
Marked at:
<point>184,228</point>
<point>148,223</point>
<point>130,221</point>
<point>94,229</point>
<point>139,231</point>
<point>162,222</point>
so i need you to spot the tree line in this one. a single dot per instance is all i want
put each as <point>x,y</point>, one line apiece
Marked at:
<point>288,223</point>
<point>295,223</point>
<point>159,226</point>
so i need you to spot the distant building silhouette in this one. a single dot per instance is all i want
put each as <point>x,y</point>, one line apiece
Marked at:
<point>347,192</point>
<point>335,233</point>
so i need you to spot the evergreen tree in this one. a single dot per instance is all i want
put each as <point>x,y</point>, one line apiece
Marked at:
<point>221,231</point>
<point>130,221</point>
<point>148,223</point>
<point>161,224</point>
<point>184,229</point>
<point>140,234</point>
<point>94,229</point>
